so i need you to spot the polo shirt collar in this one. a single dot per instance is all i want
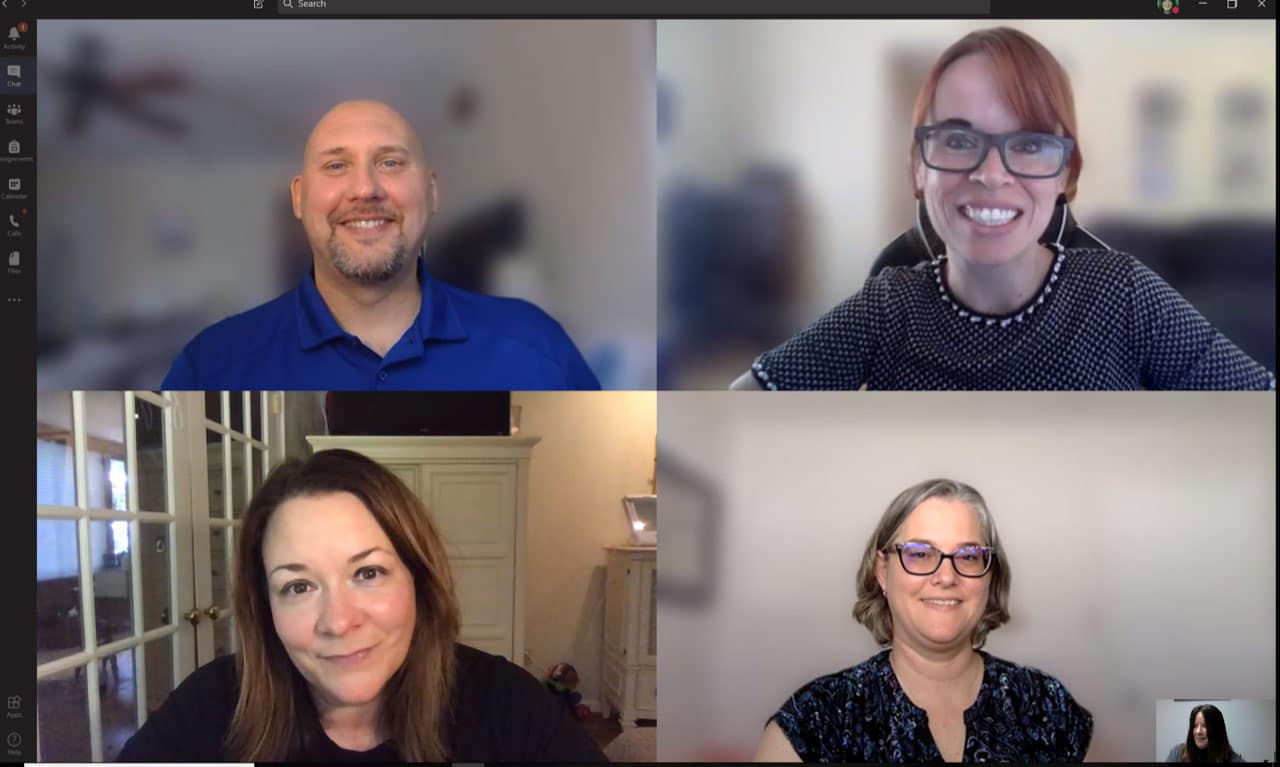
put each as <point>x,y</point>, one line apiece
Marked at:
<point>437,318</point>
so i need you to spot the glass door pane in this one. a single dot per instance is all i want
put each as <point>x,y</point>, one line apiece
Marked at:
<point>213,406</point>
<point>214,461</point>
<point>62,701</point>
<point>255,416</point>
<point>106,476</point>
<point>55,450</point>
<point>59,628</point>
<point>220,577</point>
<point>150,441</point>
<point>110,557</point>
<point>159,671</point>
<point>118,696</point>
<point>154,564</point>
<point>240,478</point>
<point>237,411</point>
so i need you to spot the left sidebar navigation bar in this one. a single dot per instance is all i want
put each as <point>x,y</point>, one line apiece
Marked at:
<point>18,341</point>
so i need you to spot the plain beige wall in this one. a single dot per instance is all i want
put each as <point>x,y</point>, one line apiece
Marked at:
<point>596,447</point>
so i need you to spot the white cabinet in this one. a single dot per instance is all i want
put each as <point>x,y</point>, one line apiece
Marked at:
<point>476,489</point>
<point>631,633</point>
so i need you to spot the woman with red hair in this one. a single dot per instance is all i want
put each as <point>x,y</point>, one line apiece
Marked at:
<point>1003,303</point>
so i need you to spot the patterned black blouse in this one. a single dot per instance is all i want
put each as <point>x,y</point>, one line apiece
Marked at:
<point>1101,320</point>
<point>861,714</point>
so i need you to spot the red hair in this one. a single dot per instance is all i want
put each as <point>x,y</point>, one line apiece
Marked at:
<point>1031,80</point>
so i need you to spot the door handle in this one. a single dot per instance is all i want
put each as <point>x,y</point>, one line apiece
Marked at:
<point>213,611</point>
<point>192,616</point>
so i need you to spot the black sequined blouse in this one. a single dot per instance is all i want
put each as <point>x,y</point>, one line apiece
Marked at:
<point>1101,320</point>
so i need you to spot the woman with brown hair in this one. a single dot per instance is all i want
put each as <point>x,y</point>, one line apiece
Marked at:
<point>1003,303</point>
<point>933,582</point>
<point>1206,740</point>
<point>348,629</point>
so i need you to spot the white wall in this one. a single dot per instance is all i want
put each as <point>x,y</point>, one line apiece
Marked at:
<point>1120,514</point>
<point>1251,726</point>
<point>596,447</point>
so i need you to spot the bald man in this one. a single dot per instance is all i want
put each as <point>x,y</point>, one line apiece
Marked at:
<point>369,315</point>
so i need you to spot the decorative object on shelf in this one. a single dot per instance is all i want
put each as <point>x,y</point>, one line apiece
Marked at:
<point>642,519</point>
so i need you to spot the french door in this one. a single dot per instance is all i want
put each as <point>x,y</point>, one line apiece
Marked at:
<point>139,495</point>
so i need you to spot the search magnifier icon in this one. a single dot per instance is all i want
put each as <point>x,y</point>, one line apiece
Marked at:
<point>288,3</point>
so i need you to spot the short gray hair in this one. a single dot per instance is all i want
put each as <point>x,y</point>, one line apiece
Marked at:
<point>872,608</point>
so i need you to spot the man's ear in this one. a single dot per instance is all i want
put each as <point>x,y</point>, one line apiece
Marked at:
<point>295,192</point>
<point>433,193</point>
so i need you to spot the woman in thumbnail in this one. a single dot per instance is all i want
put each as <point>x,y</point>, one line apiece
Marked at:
<point>348,628</point>
<point>1003,303</point>
<point>1207,739</point>
<point>933,582</point>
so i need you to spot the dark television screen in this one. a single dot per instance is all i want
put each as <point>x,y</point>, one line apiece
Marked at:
<point>485,413</point>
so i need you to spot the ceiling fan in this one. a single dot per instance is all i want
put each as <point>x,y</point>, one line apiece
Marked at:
<point>89,89</point>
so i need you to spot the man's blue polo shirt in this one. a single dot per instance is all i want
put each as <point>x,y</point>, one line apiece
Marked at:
<point>459,341</point>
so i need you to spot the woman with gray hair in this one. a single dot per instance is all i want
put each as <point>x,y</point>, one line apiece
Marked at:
<point>933,582</point>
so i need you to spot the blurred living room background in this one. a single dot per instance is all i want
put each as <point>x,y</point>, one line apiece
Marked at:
<point>167,148</point>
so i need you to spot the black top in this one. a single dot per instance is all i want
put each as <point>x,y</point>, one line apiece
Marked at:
<point>861,714</point>
<point>500,713</point>
<point>1101,320</point>
<point>1175,755</point>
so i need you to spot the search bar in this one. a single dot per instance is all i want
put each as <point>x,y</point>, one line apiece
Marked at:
<point>634,8</point>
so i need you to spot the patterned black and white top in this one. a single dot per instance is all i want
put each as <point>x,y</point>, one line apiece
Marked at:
<point>861,714</point>
<point>1101,320</point>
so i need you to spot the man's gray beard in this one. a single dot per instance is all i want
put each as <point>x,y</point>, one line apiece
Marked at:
<point>371,272</point>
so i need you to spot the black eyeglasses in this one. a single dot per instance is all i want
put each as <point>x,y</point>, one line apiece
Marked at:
<point>924,559</point>
<point>957,149</point>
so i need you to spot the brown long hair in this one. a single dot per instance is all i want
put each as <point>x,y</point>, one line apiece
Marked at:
<point>274,710</point>
<point>1034,83</point>
<point>1219,749</point>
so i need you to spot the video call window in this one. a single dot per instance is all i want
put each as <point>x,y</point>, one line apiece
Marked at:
<point>363,339</point>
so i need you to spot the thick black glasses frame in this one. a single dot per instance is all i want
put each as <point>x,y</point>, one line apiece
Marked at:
<point>1000,142</point>
<point>991,556</point>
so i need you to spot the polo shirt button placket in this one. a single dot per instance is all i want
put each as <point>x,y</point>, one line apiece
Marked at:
<point>382,376</point>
